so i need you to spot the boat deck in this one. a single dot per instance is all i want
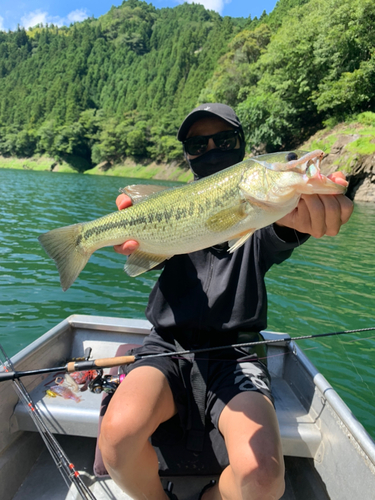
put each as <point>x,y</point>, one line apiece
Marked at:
<point>45,483</point>
<point>300,436</point>
<point>328,454</point>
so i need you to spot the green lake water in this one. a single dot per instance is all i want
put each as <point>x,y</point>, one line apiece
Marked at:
<point>327,285</point>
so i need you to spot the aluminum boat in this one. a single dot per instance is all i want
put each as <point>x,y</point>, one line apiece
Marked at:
<point>328,453</point>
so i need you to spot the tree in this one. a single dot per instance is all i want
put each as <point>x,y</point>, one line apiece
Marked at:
<point>87,89</point>
<point>318,64</point>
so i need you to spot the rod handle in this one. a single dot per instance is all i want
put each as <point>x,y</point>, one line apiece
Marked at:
<point>118,361</point>
<point>99,363</point>
<point>7,376</point>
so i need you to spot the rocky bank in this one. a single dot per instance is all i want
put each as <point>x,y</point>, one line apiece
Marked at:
<point>351,150</point>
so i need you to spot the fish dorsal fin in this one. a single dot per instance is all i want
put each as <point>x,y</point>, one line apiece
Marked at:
<point>237,243</point>
<point>227,218</point>
<point>139,192</point>
<point>139,262</point>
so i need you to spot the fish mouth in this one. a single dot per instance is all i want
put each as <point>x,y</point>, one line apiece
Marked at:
<point>306,164</point>
<point>321,184</point>
<point>309,164</point>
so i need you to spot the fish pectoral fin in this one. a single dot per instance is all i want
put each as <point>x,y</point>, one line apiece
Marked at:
<point>227,218</point>
<point>139,192</point>
<point>139,262</point>
<point>238,242</point>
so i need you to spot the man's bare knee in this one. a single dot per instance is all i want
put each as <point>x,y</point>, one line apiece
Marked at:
<point>250,428</point>
<point>266,478</point>
<point>120,442</point>
<point>141,403</point>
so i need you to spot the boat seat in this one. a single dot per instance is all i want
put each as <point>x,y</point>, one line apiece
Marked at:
<point>300,435</point>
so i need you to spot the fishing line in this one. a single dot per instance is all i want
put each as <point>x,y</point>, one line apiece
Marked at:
<point>251,344</point>
<point>62,462</point>
<point>320,290</point>
<point>245,358</point>
<point>356,369</point>
<point>357,340</point>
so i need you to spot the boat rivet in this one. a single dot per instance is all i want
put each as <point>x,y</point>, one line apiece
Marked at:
<point>319,454</point>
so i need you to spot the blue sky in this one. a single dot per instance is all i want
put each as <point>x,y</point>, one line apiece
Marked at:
<point>27,13</point>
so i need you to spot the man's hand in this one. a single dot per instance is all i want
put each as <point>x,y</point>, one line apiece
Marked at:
<point>320,215</point>
<point>129,246</point>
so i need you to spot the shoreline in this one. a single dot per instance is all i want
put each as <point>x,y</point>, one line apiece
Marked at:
<point>349,147</point>
<point>145,170</point>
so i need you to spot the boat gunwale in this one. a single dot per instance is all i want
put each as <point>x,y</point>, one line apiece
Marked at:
<point>352,424</point>
<point>143,326</point>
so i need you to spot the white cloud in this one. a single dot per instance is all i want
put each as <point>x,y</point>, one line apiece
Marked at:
<point>33,18</point>
<point>77,15</point>
<point>37,17</point>
<point>2,24</point>
<point>217,5</point>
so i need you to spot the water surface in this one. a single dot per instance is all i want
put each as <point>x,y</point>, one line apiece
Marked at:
<point>327,285</point>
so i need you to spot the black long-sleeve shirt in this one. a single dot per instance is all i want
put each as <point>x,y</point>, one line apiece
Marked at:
<point>214,291</point>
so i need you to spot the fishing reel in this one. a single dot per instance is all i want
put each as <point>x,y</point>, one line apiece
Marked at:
<point>105,383</point>
<point>102,383</point>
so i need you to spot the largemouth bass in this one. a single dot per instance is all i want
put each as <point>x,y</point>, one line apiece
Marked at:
<point>227,206</point>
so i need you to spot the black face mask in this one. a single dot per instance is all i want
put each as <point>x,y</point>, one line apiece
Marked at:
<point>215,160</point>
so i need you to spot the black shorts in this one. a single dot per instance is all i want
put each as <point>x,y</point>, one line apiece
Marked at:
<point>229,372</point>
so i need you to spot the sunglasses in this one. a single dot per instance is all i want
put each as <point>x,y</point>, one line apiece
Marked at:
<point>225,141</point>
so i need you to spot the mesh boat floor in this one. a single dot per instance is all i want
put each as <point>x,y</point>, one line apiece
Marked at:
<point>45,482</point>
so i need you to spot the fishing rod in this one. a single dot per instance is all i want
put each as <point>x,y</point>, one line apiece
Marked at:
<point>64,465</point>
<point>98,364</point>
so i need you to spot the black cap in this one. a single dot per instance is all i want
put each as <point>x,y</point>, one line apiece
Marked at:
<point>222,111</point>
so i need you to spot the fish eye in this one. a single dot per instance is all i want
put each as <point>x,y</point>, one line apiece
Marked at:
<point>291,156</point>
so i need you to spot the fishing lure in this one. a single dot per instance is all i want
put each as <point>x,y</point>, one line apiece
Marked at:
<point>84,378</point>
<point>65,392</point>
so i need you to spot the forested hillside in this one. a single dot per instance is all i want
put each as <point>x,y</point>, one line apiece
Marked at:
<point>118,86</point>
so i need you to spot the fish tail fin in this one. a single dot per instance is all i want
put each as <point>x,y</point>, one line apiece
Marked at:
<point>62,245</point>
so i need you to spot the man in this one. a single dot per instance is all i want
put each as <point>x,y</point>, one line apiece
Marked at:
<point>212,298</point>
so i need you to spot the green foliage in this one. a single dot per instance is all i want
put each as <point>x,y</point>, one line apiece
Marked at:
<point>75,87</point>
<point>166,148</point>
<point>282,10</point>
<point>119,86</point>
<point>112,142</point>
<point>267,120</point>
<point>17,143</point>
<point>36,163</point>
<point>318,65</point>
<point>349,46</point>
<point>325,143</point>
<point>361,140</point>
<point>363,145</point>
<point>136,140</point>
<point>331,122</point>
<point>237,71</point>
<point>367,118</point>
